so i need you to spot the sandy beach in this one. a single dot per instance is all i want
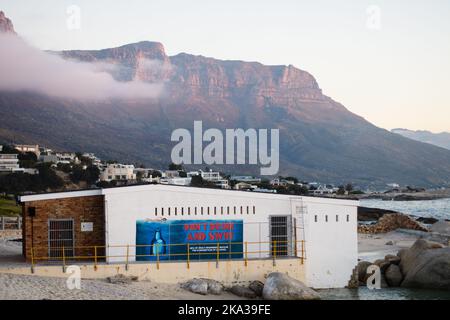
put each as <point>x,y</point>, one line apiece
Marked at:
<point>19,287</point>
<point>374,246</point>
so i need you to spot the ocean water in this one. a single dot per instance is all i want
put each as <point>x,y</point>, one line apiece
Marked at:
<point>384,294</point>
<point>439,209</point>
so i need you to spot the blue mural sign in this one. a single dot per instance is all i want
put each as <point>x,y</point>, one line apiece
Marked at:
<point>171,240</point>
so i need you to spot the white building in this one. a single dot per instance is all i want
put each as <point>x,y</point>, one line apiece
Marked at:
<point>116,171</point>
<point>46,158</point>
<point>95,160</point>
<point>244,186</point>
<point>323,232</point>
<point>324,189</point>
<point>170,174</point>
<point>281,182</point>
<point>67,157</point>
<point>211,176</point>
<point>146,175</point>
<point>177,181</point>
<point>9,163</point>
<point>247,179</point>
<point>28,148</point>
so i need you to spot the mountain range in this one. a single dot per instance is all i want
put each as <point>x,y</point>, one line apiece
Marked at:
<point>320,140</point>
<point>441,139</point>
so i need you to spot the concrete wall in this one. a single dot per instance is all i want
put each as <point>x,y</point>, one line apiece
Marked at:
<point>227,272</point>
<point>331,246</point>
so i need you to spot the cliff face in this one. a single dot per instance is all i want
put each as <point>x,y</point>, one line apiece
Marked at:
<point>319,138</point>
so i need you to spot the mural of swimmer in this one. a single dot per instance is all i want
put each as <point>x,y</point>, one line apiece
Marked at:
<point>168,240</point>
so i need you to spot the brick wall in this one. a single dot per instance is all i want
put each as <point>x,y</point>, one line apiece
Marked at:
<point>80,209</point>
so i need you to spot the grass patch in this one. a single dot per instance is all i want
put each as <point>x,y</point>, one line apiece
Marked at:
<point>9,208</point>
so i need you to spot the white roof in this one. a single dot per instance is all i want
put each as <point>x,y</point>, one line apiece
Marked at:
<point>182,189</point>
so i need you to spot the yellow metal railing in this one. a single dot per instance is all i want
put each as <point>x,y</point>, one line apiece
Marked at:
<point>275,250</point>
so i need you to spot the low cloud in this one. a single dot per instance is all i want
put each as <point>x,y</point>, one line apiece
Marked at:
<point>25,68</point>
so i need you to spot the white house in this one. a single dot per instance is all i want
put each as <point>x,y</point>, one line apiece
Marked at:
<point>324,189</point>
<point>95,160</point>
<point>176,181</point>
<point>67,157</point>
<point>28,148</point>
<point>211,176</point>
<point>9,163</point>
<point>244,186</point>
<point>281,182</point>
<point>116,171</point>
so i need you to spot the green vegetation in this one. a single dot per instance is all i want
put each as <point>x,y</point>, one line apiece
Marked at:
<point>90,174</point>
<point>15,183</point>
<point>8,207</point>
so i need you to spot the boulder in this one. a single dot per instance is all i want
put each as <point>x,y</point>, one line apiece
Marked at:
<point>383,264</point>
<point>362,270</point>
<point>384,283</point>
<point>121,279</point>
<point>214,287</point>
<point>392,259</point>
<point>408,257</point>
<point>242,291</point>
<point>442,227</point>
<point>198,286</point>
<point>353,283</point>
<point>280,286</point>
<point>393,276</point>
<point>257,287</point>
<point>426,265</point>
<point>390,222</point>
<point>203,286</point>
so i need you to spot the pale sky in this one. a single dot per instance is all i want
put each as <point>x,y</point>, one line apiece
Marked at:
<point>394,71</point>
